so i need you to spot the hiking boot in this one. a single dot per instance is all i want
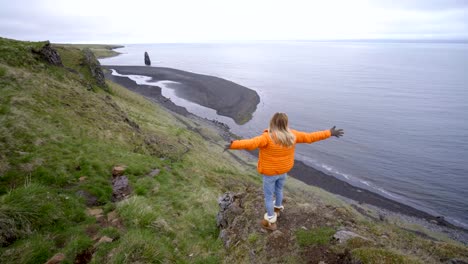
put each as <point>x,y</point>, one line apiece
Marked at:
<point>278,210</point>
<point>269,223</point>
<point>268,226</point>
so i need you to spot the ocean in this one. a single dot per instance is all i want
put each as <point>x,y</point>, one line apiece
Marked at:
<point>403,107</point>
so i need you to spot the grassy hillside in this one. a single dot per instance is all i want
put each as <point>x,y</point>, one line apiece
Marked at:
<point>54,131</point>
<point>59,141</point>
<point>99,50</point>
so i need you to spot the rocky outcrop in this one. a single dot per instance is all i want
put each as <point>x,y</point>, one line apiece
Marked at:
<point>457,261</point>
<point>147,59</point>
<point>230,207</point>
<point>49,54</point>
<point>120,187</point>
<point>89,199</point>
<point>95,68</point>
<point>239,218</point>
<point>343,235</point>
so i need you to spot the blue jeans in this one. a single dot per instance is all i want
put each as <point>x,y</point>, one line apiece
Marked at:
<point>273,185</point>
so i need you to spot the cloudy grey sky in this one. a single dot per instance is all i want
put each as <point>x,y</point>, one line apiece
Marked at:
<point>140,21</point>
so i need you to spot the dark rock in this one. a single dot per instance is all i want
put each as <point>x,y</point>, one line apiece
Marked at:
<point>147,59</point>
<point>84,257</point>
<point>342,236</point>
<point>49,54</point>
<point>132,123</point>
<point>231,210</point>
<point>441,221</point>
<point>230,206</point>
<point>382,217</point>
<point>154,173</point>
<point>457,261</point>
<point>120,188</point>
<point>90,199</point>
<point>224,236</point>
<point>95,67</point>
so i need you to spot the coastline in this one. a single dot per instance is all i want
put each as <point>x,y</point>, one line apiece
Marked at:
<point>227,98</point>
<point>310,175</point>
<point>151,92</point>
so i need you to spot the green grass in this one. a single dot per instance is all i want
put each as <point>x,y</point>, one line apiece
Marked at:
<point>253,238</point>
<point>74,59</point>
<point>54,131</point>
<point>137,211</point>
<point>357,242</point>
<point>35,249</point>
<point>2,72</point>
<point>317,236</point>
<point>383,256</point>
<point>99,50</point>
<point>18,53</point>
<point>136,246</point>
<point>111,232</point>
<point>33,207</point>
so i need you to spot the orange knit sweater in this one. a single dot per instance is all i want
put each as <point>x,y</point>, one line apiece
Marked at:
<point>274,159</point>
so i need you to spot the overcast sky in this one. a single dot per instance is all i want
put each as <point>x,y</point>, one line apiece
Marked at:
<point>138,21</point>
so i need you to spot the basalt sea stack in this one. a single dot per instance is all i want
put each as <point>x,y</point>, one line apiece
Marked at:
<point>147,59</point>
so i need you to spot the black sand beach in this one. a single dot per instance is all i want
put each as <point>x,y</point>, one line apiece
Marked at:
<point>226,97</point>
<point>300,171</point>
<point>151,92</point>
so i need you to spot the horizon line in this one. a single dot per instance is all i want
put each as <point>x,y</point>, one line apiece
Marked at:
<point>395,40</point>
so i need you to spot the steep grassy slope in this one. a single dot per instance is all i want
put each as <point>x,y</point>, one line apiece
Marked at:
<point>59,141</point>
<point>55,131</point>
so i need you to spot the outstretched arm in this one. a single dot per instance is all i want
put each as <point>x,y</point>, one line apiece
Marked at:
<point>250,144</point>
<point>302,137</point>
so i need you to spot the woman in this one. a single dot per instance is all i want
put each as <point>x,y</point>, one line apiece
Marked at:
<point>276,158</point>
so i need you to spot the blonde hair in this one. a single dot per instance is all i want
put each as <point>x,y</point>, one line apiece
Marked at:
<point>279,131</point>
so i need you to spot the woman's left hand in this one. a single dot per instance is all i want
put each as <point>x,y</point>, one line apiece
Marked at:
<point>336,132</point>
<point>228,146</point>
